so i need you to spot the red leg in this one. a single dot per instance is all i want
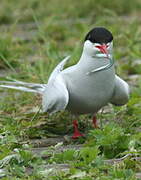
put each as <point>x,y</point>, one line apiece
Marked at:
<point>95,122</point>
<point>76,134</point>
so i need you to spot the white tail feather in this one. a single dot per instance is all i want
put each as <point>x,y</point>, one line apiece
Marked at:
<point>31,87</point>
<point>23,86</point>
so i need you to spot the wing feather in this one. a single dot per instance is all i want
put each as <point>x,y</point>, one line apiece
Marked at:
<point>121,92</point>
<point>55,96</point>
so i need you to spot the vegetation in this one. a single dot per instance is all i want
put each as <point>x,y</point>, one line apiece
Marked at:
<point>34,36</point>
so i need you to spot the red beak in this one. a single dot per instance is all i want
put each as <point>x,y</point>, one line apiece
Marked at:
<point>103,48</point>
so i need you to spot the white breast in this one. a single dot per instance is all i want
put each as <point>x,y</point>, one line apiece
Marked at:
<point>88,93</point>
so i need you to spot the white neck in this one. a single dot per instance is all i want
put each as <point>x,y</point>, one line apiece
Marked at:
<point>88,63</point>
<point>86,58</point>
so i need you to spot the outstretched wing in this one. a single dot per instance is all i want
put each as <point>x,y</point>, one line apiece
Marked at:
<point>121,92</point>
<point>55,96</point>
<point>58,69</point>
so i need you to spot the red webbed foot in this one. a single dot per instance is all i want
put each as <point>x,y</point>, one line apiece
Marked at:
<point>95,122</point>
<point>77,133</point>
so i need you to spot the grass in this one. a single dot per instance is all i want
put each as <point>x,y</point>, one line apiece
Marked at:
<point>35,36</point>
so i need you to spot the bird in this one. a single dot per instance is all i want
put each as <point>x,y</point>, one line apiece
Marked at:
<point>83,88</point>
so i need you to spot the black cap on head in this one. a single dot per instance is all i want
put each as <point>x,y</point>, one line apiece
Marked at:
<point>99,35</point>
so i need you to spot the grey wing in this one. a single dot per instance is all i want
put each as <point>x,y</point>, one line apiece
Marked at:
<point>121,92</point>
<point>58,69</point>
<point>55,96</point>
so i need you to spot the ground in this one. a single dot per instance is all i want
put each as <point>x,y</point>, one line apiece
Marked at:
<point>34,37</point>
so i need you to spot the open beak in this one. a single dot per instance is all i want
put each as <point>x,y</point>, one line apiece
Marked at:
<point>103,49</point>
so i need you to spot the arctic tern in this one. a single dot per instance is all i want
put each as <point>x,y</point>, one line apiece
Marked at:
<point>85,87</point>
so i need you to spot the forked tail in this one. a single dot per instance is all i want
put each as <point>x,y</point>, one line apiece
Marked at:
<point>31,87</point>
<point>23,86</point>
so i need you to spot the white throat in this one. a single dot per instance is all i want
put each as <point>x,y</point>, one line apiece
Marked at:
<point>103,56</point>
